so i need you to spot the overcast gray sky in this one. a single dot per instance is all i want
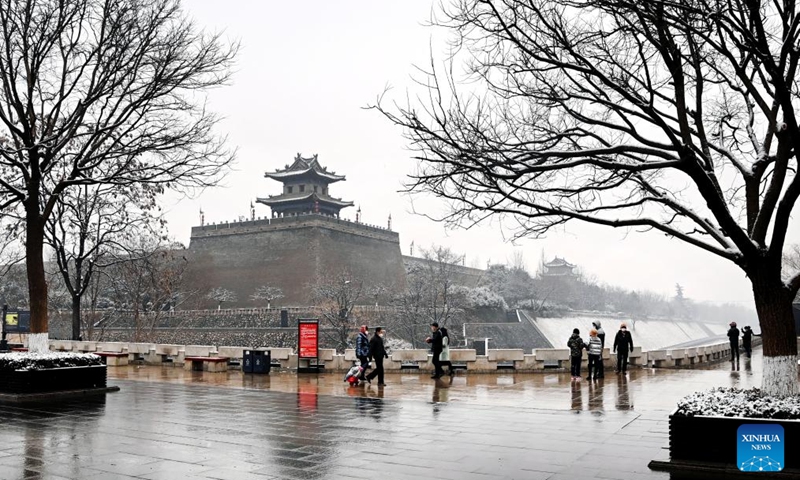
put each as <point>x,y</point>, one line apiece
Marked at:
<point>305,72</point>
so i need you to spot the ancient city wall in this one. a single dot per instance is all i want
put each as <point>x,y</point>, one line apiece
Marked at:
<point>290,253</point>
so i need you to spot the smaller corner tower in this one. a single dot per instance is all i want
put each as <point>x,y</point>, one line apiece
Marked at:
<point>305,190</point>
<point>559,267</point>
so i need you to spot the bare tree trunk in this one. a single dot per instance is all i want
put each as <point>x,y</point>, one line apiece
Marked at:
<point>774,306</point>
<point>76,317</point>
<point>37,281</point>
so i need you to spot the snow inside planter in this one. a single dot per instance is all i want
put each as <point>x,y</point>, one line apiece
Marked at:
<point>703,431</point>
<point>50,372</point>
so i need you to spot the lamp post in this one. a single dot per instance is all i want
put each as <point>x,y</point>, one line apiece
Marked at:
<point>3,342</point>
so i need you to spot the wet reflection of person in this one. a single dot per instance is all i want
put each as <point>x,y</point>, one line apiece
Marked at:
<point>441,394</point>
<point>623,395</point>
<point>595,397</point>
<point>577,399</point>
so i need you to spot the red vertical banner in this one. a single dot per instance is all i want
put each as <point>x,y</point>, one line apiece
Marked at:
<point>308,338</point>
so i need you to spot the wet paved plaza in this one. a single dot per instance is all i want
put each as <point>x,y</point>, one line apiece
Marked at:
<point>167,423</point>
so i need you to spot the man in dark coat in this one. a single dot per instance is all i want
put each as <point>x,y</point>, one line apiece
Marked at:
<point>362,350</point>
<point>436,345</point>
<point>378,352</point>
<point>623,344</point>
<point>733,336</point>
<point>747,340</point>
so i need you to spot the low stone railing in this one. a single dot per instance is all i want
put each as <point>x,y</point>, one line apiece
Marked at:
<point>536,361</point>
<point>516,359</point>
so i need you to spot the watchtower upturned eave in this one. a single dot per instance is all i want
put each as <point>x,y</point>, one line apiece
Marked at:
<point>305,190</point>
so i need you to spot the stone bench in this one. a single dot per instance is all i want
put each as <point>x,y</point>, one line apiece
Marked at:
<point>233,353</point>
<point>199,351</point>
<point>660,359</point>
<point>505,355</point>
<point>678,357</point>
<point>114,359</point>
<point>115,347</point>
<point>84,347</point>
<point>637,357</point>
<point>139,351</point>
<point>284,357</point>
<point>61,345</point>
<point>551,357</point>
<point>206,364</point>
<point>162,353</point>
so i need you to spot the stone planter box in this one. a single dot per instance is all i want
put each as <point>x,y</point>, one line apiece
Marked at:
<point>710,443</point>
<point>53,379</point>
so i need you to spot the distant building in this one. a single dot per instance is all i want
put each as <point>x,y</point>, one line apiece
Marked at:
<point>305,190</point>
<point>302,240</point>
<point>558,267</point>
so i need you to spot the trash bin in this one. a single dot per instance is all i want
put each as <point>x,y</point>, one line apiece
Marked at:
<point>256,361</point>
<point>247,361</point>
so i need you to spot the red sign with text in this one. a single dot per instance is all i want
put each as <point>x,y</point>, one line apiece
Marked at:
<point>308,339</point>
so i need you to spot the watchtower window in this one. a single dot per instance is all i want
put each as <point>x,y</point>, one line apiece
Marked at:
<point>315,189</point>
<point>302,188</point>
<point>288,189</point>
<point>324,190</point>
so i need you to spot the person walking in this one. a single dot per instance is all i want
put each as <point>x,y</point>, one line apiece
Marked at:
<point>444,358</point>
<point>623,344</point>
<point>362,350</point>
<point>576,346</point>
<point>377,351</point>
<point>595,350</point>
<point>601,334</point>
<point>747,340</point>
<point>436,346</point>
<point>733,336</point>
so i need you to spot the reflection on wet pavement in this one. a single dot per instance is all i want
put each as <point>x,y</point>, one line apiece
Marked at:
<point>169,423</point>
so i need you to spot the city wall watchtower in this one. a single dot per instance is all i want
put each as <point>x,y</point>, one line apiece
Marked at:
<point>302,240</point>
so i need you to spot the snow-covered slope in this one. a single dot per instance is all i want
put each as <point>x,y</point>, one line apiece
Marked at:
<point>648,334</point>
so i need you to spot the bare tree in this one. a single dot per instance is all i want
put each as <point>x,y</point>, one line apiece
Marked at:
<point>376,291</point>
<point>433,293</point>
<point>670,116</point>
<point>87,223</point>
<point>265,292</point>
<point>143,283</point>
<point>97,92</point>
<point>221,295</point>
<point>335,295</point>
<point>12,272</point>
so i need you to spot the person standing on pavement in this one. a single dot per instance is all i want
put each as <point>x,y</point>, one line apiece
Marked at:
<point>377,351</point>
<point>601,334</point>
<point>576,346</point>
<point>733,336</point>
<point>623,344</point>
<point>595,351</point>
<point>362,350</point>
<point>747,340</point>
<point>444,358</point>
<point>436,345</point>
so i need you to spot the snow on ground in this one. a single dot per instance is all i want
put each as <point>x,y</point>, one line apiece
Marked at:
<point>648,334</point>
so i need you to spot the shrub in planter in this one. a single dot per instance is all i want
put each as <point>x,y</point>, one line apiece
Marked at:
<point>17,361</point>
<point>50,372</point>
<point>704,427</point>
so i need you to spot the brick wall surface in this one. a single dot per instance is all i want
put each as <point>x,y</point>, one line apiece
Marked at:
<point>291,257</point>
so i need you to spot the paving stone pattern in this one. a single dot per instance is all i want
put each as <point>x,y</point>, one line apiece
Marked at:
<point>169,424</point>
